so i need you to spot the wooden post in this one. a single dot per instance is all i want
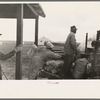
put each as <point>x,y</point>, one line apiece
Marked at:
<point>86,42</point>
<point>18,72</point>
<point>36,31</point>
<point>98,36</point>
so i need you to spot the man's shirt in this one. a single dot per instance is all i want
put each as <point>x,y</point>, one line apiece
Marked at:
<point>70,45</point>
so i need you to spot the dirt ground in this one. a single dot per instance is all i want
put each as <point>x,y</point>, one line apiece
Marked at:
<point>8,66</point>
<point>8,69</point>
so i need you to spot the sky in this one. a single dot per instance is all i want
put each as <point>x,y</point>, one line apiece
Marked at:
<point>60,16</point>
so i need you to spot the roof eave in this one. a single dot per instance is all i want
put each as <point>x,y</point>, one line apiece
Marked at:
<point>38,9</point>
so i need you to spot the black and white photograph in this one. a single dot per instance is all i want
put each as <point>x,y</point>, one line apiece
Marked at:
<point>50,41</point>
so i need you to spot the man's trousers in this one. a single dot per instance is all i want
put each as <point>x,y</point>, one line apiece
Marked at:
<point>68,65</point>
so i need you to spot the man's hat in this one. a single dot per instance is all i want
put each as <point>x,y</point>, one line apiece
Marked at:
<point>73,28</point>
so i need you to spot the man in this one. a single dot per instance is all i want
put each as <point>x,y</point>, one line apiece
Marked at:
<point>70,49</point>
<point>39,59</point>
<point>6,56</point>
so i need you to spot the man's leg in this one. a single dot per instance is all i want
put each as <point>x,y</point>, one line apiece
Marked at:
<point>68,66</point>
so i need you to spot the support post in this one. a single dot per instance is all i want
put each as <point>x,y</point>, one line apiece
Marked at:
<point>86,42</point>
<point>18,72</point>
<point>36,31</point>
<point>98,36</point>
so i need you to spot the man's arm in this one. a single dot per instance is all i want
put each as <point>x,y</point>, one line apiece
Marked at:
<point>6,56</point>
<point>10,54</point>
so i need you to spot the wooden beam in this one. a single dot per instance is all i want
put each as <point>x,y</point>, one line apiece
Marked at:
<point>36,31</point>
<point>19,40</point>
<point>32,9</point>
<point>7,15</point>
<point>86,42</point>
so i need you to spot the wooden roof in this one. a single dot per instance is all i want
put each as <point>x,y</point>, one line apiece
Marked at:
<point>29,10</point>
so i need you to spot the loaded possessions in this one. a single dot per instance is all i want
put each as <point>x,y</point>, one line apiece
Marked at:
<point>80,68</point>
<point>52,70</point>
<point>53,66</point>
<point>38,61</point>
